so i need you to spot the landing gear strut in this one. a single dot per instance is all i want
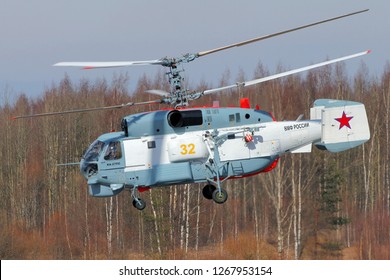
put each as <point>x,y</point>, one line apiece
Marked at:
<point>213,190</point>
<point>137,202</point>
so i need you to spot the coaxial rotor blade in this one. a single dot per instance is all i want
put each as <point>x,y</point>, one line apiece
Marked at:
<point>92,65</point>
<point>275,34</point>
<point>283,74</point>
<point>88,109</point>
<point>158,92</point>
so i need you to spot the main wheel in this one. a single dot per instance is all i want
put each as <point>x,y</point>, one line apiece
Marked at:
<point>139,204</point>
<point>208,191</point>
<point>220,196</point>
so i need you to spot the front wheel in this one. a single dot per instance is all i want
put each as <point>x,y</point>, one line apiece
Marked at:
<point>220,196</point>
<point>139,204</point>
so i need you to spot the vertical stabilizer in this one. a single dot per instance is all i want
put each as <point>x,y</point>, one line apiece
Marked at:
<point>344,124</point>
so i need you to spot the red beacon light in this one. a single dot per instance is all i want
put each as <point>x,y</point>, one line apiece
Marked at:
<point>244,103</point>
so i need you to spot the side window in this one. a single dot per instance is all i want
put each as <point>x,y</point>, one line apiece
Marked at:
<point>114,151</point>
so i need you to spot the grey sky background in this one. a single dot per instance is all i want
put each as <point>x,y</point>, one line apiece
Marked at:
<point>36,34</point>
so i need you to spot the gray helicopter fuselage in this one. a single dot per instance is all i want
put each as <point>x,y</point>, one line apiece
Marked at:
<point>168,147</point>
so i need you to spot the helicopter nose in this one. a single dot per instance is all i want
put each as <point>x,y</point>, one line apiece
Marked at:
<point>88,169</point>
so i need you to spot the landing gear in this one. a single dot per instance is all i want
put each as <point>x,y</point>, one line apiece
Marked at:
<point>213,190</point>
<point>208,191</point>
<point>137,202</point>
<point>220,196</point>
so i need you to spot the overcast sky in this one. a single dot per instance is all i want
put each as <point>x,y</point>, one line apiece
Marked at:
<point>36,34</point>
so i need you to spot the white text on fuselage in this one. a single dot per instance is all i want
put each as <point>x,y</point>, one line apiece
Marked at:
<point>296,126</point>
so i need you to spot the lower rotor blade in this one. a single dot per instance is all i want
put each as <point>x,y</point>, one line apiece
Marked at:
<point>158,92</point>
<point>306,68</point>
<point>276,34</point>
<point>283,74</point>
<point>87,110</point>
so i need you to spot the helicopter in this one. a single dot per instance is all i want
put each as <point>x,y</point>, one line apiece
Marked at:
<point>212,144</point>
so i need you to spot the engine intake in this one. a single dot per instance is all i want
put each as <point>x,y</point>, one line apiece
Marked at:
<point>178,118</point>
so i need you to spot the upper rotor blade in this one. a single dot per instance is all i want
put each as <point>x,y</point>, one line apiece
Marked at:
<point>276,34</point>
<point>87,110</point>
<point>283,74</point>
<point>92,65</point>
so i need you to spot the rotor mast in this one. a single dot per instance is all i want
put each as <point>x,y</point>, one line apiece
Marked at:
<point>179,96</point>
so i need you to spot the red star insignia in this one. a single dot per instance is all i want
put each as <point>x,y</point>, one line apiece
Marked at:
<point>344,121</point>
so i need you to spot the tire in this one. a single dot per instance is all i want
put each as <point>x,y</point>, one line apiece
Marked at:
<point>208,191</point>
<point>139,204</point>
<point>220,196</point>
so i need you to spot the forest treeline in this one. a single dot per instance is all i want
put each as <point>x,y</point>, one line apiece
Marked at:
<point>311,206</point>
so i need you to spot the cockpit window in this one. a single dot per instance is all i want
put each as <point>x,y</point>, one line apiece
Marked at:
<point>93,152</point>
<point>113,151</point>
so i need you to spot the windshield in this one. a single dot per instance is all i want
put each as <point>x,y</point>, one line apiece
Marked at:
<point>93,152</point>
<point>114,151</point>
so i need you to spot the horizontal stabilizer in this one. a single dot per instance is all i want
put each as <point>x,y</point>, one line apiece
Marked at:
<point>304,149</point>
